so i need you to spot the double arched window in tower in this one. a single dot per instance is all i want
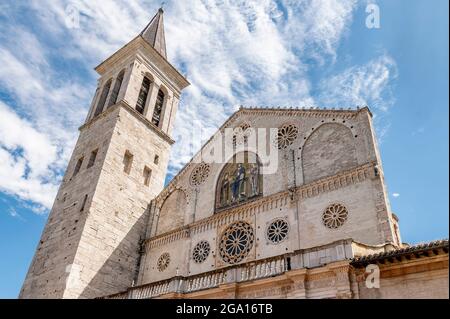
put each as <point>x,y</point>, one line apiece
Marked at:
<point>142,99</point>
<point>143,94</point>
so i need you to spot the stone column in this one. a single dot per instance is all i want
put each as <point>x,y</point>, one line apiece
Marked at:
<point>151,100</point>
<point>171,117</point>
<point>165,113</point>
<point>131,85</point>
<point>298,278</point>
<point>341,271</point>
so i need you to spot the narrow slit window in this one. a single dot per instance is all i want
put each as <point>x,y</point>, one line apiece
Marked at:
<point>92,158</point>
<point>78,166</point>
<point>156,118</point>
<point>115,91</point>
<point>156,160</point>
<point>127,162</point>
<point>83,204</point>
<point>143,93</point>
<point>102,101</point>
<point>147,175</point>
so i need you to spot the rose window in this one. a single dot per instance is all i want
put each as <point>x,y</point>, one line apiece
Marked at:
<point>277,231</point>
<point>236,242</point>
<point>286,135</point>
<point>241,134</point>
<point>200,174</point>
<point>335,216</point>
<point>163,261</point>
<point>201,251</point>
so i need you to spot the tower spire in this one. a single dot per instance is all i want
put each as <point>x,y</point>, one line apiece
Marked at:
<point>154,33</point>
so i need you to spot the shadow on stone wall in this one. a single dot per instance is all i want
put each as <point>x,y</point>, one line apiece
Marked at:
<point>121,268</point>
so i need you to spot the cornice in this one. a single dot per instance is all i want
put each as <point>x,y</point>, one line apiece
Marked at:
<point>132,111</point>
<point>305,112</point>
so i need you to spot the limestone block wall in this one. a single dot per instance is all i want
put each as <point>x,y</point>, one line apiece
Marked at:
<point>172,214</point>
<point>52,265</point>
<point>178,252</point>
<point>118,215</point>
<point>361,224</point>
<point>430,284</point>
<point>94,250</point>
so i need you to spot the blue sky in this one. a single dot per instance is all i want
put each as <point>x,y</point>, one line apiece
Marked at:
<point>288,53</point>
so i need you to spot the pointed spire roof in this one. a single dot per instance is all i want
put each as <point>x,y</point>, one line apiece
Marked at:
<point>154,33</point>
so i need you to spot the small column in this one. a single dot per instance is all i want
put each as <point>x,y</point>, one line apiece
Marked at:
<point>171,117</point>
<point>151,100</point>
<point>165,114</point>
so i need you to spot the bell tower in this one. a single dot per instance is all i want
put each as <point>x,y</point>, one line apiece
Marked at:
<point>90,244</point>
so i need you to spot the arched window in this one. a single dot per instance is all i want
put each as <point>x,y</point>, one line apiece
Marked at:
<point>143,93</point>
<point>158,108</point>
<point>240,180</point>
<point>103,96</point>
<point>115,91</point>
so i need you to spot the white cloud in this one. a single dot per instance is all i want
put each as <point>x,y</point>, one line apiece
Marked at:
<point>13,213</point>
<point>26,156</point>
<point>395,195</point>
<point>233,52</point>
<point>248,53</point>
<point>361,85</point>
<point>368,84</point>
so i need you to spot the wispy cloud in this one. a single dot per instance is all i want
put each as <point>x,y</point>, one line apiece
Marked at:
<point>368,84</point>
<point>233,52</point>
<point>395,195</point>
<point>13,213</point>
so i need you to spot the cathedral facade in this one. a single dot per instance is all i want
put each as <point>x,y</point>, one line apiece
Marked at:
<point>309,220</point>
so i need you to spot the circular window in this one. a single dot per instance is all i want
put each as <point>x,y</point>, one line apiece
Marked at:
<point>335,216</point>
<point>199,174</point>
<point>163,261</point>
<point>241,134</point>
<point>277,231</point>
<point>286,135</point>
<point>236,242</point>
<point>201,251</point>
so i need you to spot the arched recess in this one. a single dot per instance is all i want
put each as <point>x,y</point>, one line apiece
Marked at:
<point>172,212</point>
<point>240,180</point>
<point>327,151</point>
